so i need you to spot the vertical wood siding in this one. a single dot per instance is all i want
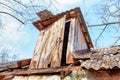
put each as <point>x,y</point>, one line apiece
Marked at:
<point>76,39</point>
<point>49,46</point>
<point>80,43</point>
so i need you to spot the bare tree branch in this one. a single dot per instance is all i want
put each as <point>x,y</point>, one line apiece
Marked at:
<point>20,3</point>
<point>12,16</point>
<point>100,35</point>
<point>108,23</point>
<point>10,8</point>
<point>116,41</point>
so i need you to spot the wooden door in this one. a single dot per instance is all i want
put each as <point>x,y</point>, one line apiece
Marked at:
<point>48,49</point>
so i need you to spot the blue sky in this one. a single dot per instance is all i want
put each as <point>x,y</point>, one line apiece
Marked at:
<point>23,42</point>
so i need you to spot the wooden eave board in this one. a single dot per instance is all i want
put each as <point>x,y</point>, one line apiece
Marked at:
<point>41,71</point>
<point>14,64</point>
<point>41,24</point>
<point>84,29</point>
<point>44,24</point>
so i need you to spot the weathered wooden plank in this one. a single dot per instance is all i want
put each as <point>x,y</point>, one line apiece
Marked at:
<point>56,55</point>
<point>81,20</point>
<point>71,40</point>
<point>2,77</point>
<point>42,61</point>
<point>46,22</point>
<point>70,47</point>
<point>76,40</point>
<point>47,70</point>
<point>37,51</point>
<point>81,44</point>
<point>77,55</point>
<point>49,46</point>
<point>14,64</point>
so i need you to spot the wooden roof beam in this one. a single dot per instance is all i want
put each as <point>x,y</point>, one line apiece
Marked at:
<point>47,70</point>
<point>43,24</point>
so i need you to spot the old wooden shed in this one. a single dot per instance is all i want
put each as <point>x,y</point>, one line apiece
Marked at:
<point>60,35</point>
<point>63,51</point>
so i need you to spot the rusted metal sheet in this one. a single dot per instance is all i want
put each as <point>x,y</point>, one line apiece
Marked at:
<point>49,46</point>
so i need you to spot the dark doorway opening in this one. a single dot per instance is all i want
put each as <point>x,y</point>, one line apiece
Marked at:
<point>65,43</point>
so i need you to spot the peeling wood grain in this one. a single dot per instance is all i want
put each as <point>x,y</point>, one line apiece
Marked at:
<point>49,46</point>
<point>14,64</point>
<point>76,40</point>
<point>47,70</point>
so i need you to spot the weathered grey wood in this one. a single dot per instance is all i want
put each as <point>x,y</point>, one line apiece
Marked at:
<point>14,64</point>
<point>76,41</point>
<point>49,46</point>
<point>42,71</point>
<point>81,44</point>
<point>70,47</point>
<point>37,52</point>
<point>41,61</point>
<point>57,52</point>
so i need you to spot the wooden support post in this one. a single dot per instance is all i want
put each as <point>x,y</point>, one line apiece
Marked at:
<point>62,73</point>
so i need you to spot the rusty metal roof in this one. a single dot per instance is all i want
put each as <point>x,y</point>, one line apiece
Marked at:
<point>106,58</point>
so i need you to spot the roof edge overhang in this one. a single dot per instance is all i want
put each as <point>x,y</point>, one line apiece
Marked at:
<point>42,24</point>
<point>84,29</point>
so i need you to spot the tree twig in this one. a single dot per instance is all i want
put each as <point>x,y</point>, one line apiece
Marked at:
<point>116,41</point>
<point>108,23</point>
<point>12,16</point>
<point>100,35</point>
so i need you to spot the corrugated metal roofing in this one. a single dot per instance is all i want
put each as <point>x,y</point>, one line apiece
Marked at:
<point>106,58</point>
<point>103,58</point>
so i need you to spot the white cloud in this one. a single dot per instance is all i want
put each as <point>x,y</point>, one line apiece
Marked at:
<point>67,2</point>
<point>62,4</point>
